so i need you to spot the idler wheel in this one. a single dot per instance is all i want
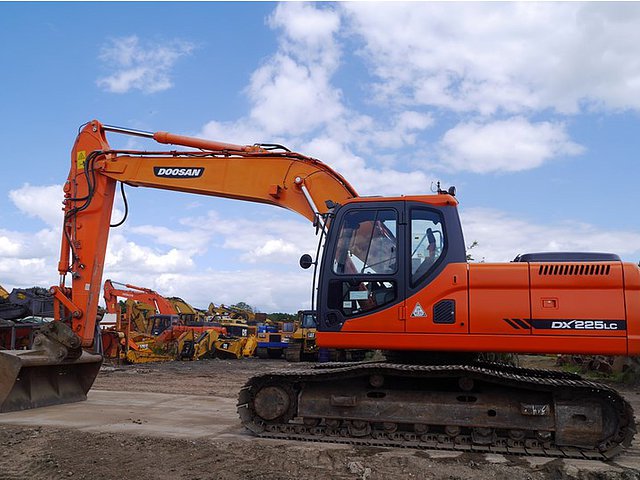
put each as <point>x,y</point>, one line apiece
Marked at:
<point>271,402</point>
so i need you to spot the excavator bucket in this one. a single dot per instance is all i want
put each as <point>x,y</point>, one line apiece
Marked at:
<point>35,378</point>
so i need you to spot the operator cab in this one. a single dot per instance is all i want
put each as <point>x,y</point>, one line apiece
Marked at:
<point>307,319</point>
<point>160,323</point>
<point>380,252</point>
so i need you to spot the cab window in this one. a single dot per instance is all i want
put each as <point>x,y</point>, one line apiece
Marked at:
<point>427,242</point>
<point>367,243</point>
<point>354,297</point>
<point>366,249</point>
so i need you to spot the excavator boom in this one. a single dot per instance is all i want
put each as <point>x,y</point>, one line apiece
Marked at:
<point>258,173</point>
<point>284,179</point>
<point>140,294</point>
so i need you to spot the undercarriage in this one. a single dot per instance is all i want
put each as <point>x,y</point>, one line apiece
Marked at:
<point>480,407</point>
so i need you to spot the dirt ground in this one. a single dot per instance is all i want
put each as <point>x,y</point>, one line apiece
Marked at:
<point>177,420</point>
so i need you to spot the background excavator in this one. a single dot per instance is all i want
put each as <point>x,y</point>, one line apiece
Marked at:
<point>160,304</point>
<point>187,313</point>
<point>146,338</point>
<point>393,276</point>
<point>132,331</point>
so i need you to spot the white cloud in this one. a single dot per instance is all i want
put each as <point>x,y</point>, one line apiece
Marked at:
<point>509,57</point>
<point>268,290</point>
<point>306,27</point>
<point>501,237</point>
<point>9,247</point>
<point>136,65</point>
<point>27,272</point>
<point>43,202</point>
<point>274,249</point>
<point>294,101</point>
<point>508,145</point>
<point>124,255</point>
<point>365,179</point>
<point>277,240</point>
<point>191,240</point>
<point>28,259</point>
<point>290,98</point>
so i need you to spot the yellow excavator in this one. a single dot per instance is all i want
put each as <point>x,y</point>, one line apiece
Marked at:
<point>196,345</point>
<point>187,313</point>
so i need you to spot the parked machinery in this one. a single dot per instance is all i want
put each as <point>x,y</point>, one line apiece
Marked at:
<point>143,295</point>
<point>273,339</point>
<point>187,313</point>
<point>22,313</point>
<point>302,344</point>
<point>132,331</point>
<point>194,346</point>
<point>239,341</point>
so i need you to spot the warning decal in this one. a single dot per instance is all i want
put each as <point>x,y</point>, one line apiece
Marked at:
<point>418,311</point>
<point>82,158</point>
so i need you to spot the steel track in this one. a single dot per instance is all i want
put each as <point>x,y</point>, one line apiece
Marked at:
<point>289,428</point>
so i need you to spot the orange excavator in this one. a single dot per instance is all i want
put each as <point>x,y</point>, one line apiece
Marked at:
<point>139,294</point>
<point>392,275</point>
<point>133,332</point>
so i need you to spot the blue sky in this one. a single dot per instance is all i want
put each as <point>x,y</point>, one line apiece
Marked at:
<point>531,110</point>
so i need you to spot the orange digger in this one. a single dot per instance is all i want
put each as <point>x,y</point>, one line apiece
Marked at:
<point>392,276</point>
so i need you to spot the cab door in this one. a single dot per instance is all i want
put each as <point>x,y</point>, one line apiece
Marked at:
<point>362,286</point>
<point>437,271</point>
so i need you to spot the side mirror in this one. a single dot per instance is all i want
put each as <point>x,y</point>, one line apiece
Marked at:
<point>306,261</point>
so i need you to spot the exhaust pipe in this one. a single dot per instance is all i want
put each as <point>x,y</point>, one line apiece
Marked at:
<point>56,371</point>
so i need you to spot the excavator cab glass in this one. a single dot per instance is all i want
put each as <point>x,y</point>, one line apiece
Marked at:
<point>362,261</point>
<point>377,254</point>
<point>367,243</point>
<point>427,242</point>
<point>309,320</point>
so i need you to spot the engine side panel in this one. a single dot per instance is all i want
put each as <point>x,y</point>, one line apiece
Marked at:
<point>499,298</point>
<point>578,299</point>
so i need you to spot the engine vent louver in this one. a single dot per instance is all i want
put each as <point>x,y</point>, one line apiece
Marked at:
<point>574,269</point>
<point>444,312</point>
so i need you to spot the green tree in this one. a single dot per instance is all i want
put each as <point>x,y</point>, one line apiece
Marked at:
<point>243,306</point>
<point>282,317</point>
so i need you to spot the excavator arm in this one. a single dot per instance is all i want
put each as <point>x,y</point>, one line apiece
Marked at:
<point>264,174</point>
<point>139,294</point>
